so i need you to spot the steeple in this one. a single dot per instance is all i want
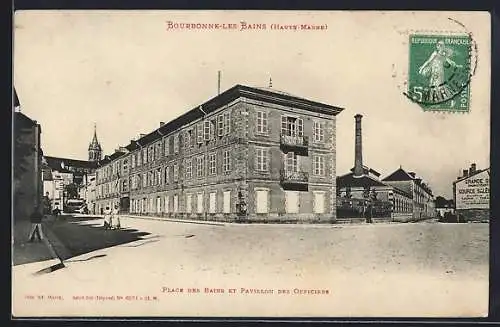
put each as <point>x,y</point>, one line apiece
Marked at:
<point>95,150</point>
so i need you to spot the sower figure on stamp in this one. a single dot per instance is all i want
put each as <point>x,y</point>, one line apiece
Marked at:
<point>36,224</point>
<point>435,65</point>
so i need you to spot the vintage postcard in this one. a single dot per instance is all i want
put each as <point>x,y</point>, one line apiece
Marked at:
<point>251,164</point>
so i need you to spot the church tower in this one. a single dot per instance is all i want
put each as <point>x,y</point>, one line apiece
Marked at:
<point>95,150</point>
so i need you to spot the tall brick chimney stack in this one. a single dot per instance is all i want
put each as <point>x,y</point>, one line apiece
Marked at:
<point>358,150</point>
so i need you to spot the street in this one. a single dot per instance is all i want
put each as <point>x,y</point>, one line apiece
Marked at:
<point>420,269</point>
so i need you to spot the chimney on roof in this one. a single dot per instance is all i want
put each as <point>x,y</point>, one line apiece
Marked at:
<point>472,169</point>
<point>141,135</point>
<point>358,150</point>
<point>162,123</point>
<point>412,174</point>
<point>465,173</point>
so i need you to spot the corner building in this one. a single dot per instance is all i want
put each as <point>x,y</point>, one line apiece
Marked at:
<point>249,154</point>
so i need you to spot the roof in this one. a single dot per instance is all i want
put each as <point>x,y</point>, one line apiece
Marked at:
<point>63,164</point>
<point>402,175</point>
<point>399,175</point>
<point>363,181</point>
<point>238,91</point>
<point>367,170</point>
<point>469,176</point>
<point>23,121</point>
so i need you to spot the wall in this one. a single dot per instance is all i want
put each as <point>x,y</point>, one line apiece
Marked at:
<point>28,185</point>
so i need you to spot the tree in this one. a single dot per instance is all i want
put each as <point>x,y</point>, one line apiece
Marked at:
<point>71,191</point>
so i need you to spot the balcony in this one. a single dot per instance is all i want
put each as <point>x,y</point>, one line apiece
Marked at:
<point>294,179</point>
<point>294,143</point>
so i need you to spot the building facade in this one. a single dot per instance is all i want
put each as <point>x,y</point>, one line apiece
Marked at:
<point>27,171</point>
<point>247,154</point>
<point>422,199</point>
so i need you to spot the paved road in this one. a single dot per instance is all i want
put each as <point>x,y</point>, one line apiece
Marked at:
<point>374,270</point>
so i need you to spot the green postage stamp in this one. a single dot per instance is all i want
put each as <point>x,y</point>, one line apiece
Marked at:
<point>439,72</point>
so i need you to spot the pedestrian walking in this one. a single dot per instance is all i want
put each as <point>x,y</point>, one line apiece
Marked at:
<point>108,220</point>
<point>36,225</point>
<point>116,217</point>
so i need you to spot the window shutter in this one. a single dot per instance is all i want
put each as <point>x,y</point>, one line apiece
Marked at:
<point>199,133</point>
<point>284,125</point>
<point>300,127</point>
<point>220,125</point>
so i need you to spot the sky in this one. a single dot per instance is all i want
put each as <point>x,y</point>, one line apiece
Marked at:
<point>126,72</point>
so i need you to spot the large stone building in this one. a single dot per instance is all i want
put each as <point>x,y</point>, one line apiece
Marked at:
<point>471,194</point>
<point>247,154</point>
<point>27,163</point>
<point>422,205</point>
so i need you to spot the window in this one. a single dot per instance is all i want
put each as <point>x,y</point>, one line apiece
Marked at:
<point>166,206</point>
<point>292,126</point>
<point>199,133</point>
<point>319,202</point>
<point>132,161</point>
<point>176,203</point>
<point>226,161</point>
<point>144,156</point>
<point>262,159</point>
<point>124,186</point>
<point>189,168</point>
<point>292,162</point>
<point>199,202</point>
<point>151,153</point>
<point>176,143</point>
<point>227,202</point>
<point>261,201</point>
<point>319,131</point>
<point>165,175</point>
<point>166,147</point>
<point>176,172</point>
<point>208,130</point>
<point>220,125</point>
<point>189,201</point>
<point>319,165</point>
<point>227,123</point>
<point>187,139</point>
<point>158,176</point>
<point>158,150</point>
<point>212,163</point>
<point>212,203</point>
<point>199,167</point>
<point>262,122</point>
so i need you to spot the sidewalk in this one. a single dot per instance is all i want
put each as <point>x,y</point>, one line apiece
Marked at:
<point>187,221</point>
<point>26,252</point>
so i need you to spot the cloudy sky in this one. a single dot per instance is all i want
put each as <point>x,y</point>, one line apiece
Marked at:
<point>126,72</point>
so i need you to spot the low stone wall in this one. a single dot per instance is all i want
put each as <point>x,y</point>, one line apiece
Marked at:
<point>481,215</point>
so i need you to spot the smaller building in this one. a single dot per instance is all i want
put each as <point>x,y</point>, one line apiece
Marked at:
<point>471,194</point>
<point>61,174</point>
<point>443,206</point>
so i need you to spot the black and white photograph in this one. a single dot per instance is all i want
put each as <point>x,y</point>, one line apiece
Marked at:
<point>204,163</point>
